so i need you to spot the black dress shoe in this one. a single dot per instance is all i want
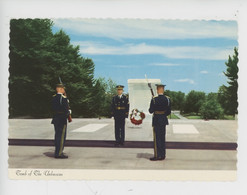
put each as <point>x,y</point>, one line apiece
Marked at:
<point>117,144</point>
<point>122,144</point>
<point>153,158</point>
<point>62,156</point>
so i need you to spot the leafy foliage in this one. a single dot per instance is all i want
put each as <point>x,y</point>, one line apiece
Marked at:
<point>193,101</point>
<point>37,58</point>
<point>105,90</point>
<point>228,96</point>
<point>211,108</point>
<point>177,99</point>
<point>28,85</point>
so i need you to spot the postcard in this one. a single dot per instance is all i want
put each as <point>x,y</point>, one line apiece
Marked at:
<point>149,96</point>
<point>144,95</point>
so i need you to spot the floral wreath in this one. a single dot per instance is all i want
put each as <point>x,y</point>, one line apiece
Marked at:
<point>136,117</point>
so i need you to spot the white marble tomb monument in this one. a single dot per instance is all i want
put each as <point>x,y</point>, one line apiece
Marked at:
<point>140,94</point>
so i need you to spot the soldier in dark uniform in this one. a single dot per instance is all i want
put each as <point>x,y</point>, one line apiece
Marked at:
<point>160,106</point>
<point>120,111</point>
<point>61,112</point>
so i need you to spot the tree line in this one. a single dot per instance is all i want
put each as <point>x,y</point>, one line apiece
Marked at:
<point>212,105</point>
<point>38,57</point>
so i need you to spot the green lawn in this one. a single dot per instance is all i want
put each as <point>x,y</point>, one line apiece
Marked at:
<point>173,116</point>
<point>193,117</point>
<point>229,117</point>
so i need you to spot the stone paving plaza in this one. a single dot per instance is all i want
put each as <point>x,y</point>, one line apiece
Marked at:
<point>180,130</point>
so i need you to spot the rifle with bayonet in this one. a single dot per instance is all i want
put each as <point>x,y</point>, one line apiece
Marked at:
<point>69,117</point>
<point>149,85</point>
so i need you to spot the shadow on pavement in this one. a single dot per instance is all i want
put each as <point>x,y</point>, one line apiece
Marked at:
<point>49,154</point>
<point>144,155</point>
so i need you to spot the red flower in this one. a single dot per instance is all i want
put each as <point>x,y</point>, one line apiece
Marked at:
<point>142,115</point>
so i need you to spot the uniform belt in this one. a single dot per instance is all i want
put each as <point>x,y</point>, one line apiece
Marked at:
<point>159,112</point>
<point>120,108</point>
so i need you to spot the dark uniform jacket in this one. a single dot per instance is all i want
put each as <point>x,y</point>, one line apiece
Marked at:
<point>161,107</point>
<point>60,109</point>
<point>120,107</point>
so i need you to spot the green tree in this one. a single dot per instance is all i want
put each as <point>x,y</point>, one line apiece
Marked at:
<point>211,109</point>
<point>27,89</point>
<point>80,85</point>
<point>106,89</point>
<point>222,97</point>
<point>177,99</point>
<point>228,96</point>
<point>37,58</point>
<point>193,101</point>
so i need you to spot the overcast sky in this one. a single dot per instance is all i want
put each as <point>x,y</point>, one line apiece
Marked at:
<point>185,55</point>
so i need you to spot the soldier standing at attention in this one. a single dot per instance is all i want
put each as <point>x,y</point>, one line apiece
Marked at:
<point>120,111</point>
<point>160,106</point>
<point>61,113</point>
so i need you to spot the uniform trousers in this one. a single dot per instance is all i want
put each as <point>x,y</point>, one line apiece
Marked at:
<point>159,133</point>
<point>60,136</point>
<point>119,129</point>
